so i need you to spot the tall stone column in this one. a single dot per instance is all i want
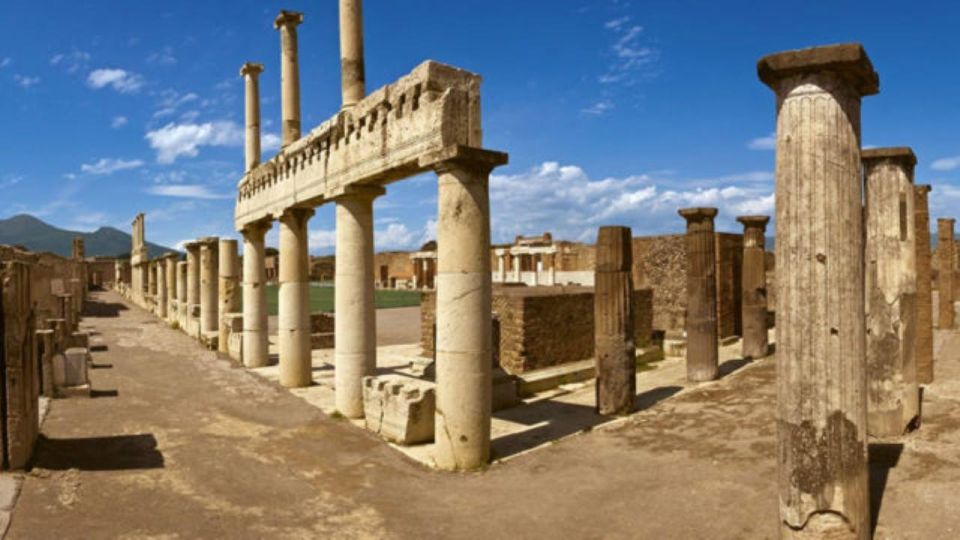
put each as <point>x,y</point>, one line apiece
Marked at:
<point>614,340</point>
<point>924,342</point>
<point>516,268</point>
<point>256,344</point>
<point>193,279</point>
<point>170,272</point>
<point>355,349</point>
<point>251,78</point>
<point>464,325</point>
<point>553,266</point>
<point>351,51</point>
<point>946,255</point>
<point>891,290</point>
<point>821,379</point>
<point>160,268</point>
<point>754,286</point>
<point>229,293</point>
<point>152,278</point>
<point>209,266</point>
<point>501,268</point>
<point>182,303</point>
<point>702,341</point>
<point>294,316</point>
<point>287,22</point>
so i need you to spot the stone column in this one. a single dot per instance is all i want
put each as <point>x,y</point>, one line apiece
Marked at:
<point>702,341</point>
<point>821,379</point>
<point>537,268</point>
<point>924,342</point>
<point>152,279</point>
<point>182,303</point>
<point>229,293</point>
<point>255,329</point>
<point>251,73</point>
<point>355,326</point>
<point>209,263</point>
<point>517,276</point>
<point>553,266</point>
<point>416,273</point>
<point>891,290</point>
<point>614,340</point>
<point>287,22</point>
<point>464,325</point>
<point>193,279</point>
<point>170,272</point>
<point>945,254</point>
<point>754,286</point>
<point>294,316</point>
<point>351,51</point>
<point>501,268</point>
<point>161,282</point>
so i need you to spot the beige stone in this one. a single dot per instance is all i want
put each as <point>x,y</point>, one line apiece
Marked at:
<point>251,77</point>
<point>294,301</point>
<point>614,340</point>
<point>924,341</point>
<point>351,52</point>
<point>400,410</point>
<point>193,280</point>
<point>946,253</point>
<point>255,332</point>
<point>754,287</point>
<point>702,337</point>
<point>229,292</point>
<point>287,22</point>
<point>170,273</point>
<point>209,284</point>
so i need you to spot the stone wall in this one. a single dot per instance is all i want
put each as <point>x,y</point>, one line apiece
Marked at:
<point>542,326</point>
<point>398,263</point>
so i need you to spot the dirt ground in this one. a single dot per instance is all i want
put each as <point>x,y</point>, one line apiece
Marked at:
<point>395,326</point>
<point>179,443</point>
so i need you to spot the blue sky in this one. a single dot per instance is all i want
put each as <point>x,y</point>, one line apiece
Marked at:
<point>612,111</point>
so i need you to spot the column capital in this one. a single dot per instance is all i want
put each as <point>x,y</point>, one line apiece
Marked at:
<point>946,221</point>
<point>252,69</point>
<point>849,61</point>
<point>463,156</point>
<point>257,227</point>
<point>288,18</point>
<point>354,191</point>
<point>922,188</point>
<point>296,213</point>
<point>899,155</point>
<point>207,241</point>
<point>192,246</point>
<point>699,213</point>
<point>754,221</point>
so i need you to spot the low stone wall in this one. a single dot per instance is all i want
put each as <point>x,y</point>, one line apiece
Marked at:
<point>540,327</point>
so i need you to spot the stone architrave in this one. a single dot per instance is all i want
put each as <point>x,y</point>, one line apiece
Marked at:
<point>614,340</point>
<point>821,362</point>
<point>229,290</point>
<point>754,287</point>
<point>702,340</point>
<point>891,289</point>
<point>946,255</point>
<point>924,342</point>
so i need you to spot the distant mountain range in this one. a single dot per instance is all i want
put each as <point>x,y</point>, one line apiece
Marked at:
<point>36,235</point>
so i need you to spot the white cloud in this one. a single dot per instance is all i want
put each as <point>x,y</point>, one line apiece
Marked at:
<point>118,122</point>
<point>171,100</point>
<point>946,164</point>
<point>121,80</point>
<point>763,143</point>
<point>322,239</point>
<point>270,141</point>
<point>26,81</point>
<point>92,218</point>
<point>192,191</point>
<point>599,108</point>
<point>174,140</point>
<point>5,61</point>
<point>395,236</point>
<point>614,24</point>
<point>163,57</point>
<point>73,61</point>
<point>109,166</point>
<point>630,56</point>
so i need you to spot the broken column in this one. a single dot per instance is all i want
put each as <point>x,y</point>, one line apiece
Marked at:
<point>702,341</point>
<point>294,316</point>
<point>355,348</point>
<point>256,345</point>
<point>287,22</point>
<point>891,289</point>
<point>251,73</point>
<point>229,290</point>
<point>946,255</point>
<point>20,388</point>
<point>464,326</point>
<point>614,340</point>
<point>821,379</point>
<point>351,51</point>
<point>924,341</point>
<point>754,287</point>
<point>209,264</point>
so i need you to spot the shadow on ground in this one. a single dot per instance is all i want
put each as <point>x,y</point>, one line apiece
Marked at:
<point>114,453</point>
<point>882,458</point>
<point>94,308</point>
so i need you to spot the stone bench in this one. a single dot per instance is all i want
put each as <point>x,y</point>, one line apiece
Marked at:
<point>400,410</point>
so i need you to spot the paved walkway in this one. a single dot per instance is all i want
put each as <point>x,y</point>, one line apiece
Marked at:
<point>178,443</point>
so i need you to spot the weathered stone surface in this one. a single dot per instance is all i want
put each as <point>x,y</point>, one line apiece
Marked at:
<point>891,285</point>
<point>946,255</point>
<point>754,286</point>
<point>702,345</point>
<point>821,379</point>
<point>70,368</point>
<point>255,330</point>
<point>294,300</point>
<point>229,289</point>
<point>924,341</point>
<point>400,410</point>
<point>20,427</point>
<point>615,349</point>
<point>209,284</point>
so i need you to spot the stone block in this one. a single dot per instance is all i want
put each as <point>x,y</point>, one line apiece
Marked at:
<point>70,368</point>
<point>399,410</point>
<point>210,339</point>
<point>322,340</point>
<point>79,339</point>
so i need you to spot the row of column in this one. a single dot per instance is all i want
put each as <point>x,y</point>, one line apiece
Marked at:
<point>536,259</point>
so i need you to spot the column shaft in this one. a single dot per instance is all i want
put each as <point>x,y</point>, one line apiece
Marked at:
<point>170,272</point>
<point>924,341</point>
<point>209,263</point>
<point>702,341</point>
<point>229,290</point>
<point>946,255</point>
<point>614,340</point>
<point>161,280</point>
<point>255,329</point>
<point>754,287</point>
<point>193,279</point>
<point>251,73</point>
<point>287,23</point>
<point>182,273</point>
<point>351,51</point>
<point>294,323</point>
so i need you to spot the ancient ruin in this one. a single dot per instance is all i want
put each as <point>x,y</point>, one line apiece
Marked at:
<point>923,352</point>
<point>615,351</point>
<point>701,327</point>
<point>946,272</point>
<point>755,339</point>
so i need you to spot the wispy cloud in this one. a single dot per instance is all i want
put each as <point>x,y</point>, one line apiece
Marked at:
<point>163,57</point>
<point>190,191</point>
<point>72,62</point>
<point>171,100</point>
<point>105,166</point>
<point>118,122</point>
<point>26,81</point>
<point>599,108</point>
<point>175,140</point>
<point>629,55</point>
<point>946,164</point>
<point>121,80</point>
<point>5,61</point>
<point>763,143</point>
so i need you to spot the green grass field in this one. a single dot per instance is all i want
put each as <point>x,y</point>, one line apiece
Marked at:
<point>321,298</point>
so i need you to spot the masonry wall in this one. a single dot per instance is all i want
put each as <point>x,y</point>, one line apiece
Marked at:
<point>398,263</point>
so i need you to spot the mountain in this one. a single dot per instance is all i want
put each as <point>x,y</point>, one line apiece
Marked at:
<point>36,235</point>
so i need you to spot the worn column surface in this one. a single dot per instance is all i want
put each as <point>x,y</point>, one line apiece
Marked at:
<point>255,330</point>
<point>355,347</point>
<point>351,51</point>
<point>170,272</point>
<point>161,279</point>
<point>891,290</point>
<point>287,22</point>
<point>946,255</point>
<point>614,340</point>
<point>463,342</point>
<point>209,263</point>
<point>294,316</point>
<point>152,278</point>
<point>229,291</point>
<point>251,79</point>
<point>702,341</point>
<point>182,273</point>
<point>924,341</point>
<point>821,379</point>
<point>754,341</point>
<point>193,278</point>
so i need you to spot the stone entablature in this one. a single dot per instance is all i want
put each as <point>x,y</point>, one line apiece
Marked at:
<point>384,137</point>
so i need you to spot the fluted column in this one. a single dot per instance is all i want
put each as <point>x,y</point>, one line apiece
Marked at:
<point>754,287</point>
<point>294,316</point>
<point>251,78</point>
<point>821,379</point>
<point>614,340</point>
<point>702,341</point>
<point>891,290</point>
<point>209,263</point>
<point>355,347</point>
<point>351,51</point>
<point>946,255</point>
<point>170,273</point>
<point>255,329</point>
<point>287,22</point>
<point>229,289</point>
<point>924,341</point>
<point>193,280</point>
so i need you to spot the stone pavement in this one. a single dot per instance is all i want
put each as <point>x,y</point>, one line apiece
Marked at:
<point>179,443</point>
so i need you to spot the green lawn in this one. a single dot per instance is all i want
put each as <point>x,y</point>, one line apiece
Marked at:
<point>321,298</point>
